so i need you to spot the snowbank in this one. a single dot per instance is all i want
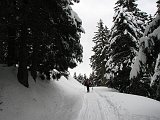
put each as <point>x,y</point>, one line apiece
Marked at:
<point>43,100</point>
<point>68,100</point>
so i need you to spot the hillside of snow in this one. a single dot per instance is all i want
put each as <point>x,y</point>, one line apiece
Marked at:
<point>43,100</point>
<point>67,100</point>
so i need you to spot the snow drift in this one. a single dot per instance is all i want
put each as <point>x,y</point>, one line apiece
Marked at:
<point>43,100</point>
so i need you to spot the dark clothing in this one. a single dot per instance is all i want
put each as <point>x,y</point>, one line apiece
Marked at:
<point>87,88</point>
<point>87,83</point>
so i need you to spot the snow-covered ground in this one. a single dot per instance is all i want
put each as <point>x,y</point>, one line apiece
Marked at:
<point>68,100</point>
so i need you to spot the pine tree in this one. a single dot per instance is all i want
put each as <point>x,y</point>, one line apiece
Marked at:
<point>98,59</point>
<point>75,75</point>
<point>93,78</point>
<point>124,35</point>
<point>148,58</point>
<point>80,78</point>
<point>84,77</point>
<point>40,36</point>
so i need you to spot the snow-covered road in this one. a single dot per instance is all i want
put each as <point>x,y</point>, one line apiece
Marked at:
<point>95,107</point>
<point>99,105</point>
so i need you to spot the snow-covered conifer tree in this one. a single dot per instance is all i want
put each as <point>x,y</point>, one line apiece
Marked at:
<point>98,59</point>
<point>127,29</point>
<point>148,59</point>
<point>40,36</point>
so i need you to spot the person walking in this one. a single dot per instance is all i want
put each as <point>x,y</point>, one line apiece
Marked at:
<point>87,83</point>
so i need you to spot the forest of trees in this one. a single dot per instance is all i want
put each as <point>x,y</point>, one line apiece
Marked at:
<point>40,36</point>
<point>127,57</point>
<point>43,37</point>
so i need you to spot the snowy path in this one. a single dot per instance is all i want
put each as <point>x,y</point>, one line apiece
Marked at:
<point>95,107</point>
<point>103,104</point>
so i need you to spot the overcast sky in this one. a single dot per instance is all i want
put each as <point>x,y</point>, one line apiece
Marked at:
<point>90,12</point>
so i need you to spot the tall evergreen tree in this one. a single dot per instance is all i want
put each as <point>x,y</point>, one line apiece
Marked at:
<point>93,77</point>
<point>148,59</point>
<point>98,59</point>
<point>40,36</point>
<point>80,78</point>
<point>124,35</point>
<point>75,75</point>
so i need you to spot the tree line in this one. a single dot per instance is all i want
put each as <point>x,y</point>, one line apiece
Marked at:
<point>126,57</point>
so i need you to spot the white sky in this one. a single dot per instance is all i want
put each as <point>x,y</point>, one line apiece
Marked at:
<point>91,11</point>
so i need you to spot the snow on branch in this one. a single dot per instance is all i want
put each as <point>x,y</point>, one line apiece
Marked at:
<point>73,16</point>
<point>140,58</point>
<point>147,43</point>
<point>156,71</point>
<point>152,25</point>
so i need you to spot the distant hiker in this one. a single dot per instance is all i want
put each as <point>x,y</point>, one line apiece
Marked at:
<point>87,83</point>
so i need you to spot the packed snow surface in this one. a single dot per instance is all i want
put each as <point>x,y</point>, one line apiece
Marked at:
<point>68,100</point>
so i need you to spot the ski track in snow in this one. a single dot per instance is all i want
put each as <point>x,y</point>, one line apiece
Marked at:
<point>114,111</point>
<point>95,107</point>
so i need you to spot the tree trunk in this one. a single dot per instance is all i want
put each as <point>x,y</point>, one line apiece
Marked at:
<point>34,65</point>
<point>11,57</point>
<point>22,69</point>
